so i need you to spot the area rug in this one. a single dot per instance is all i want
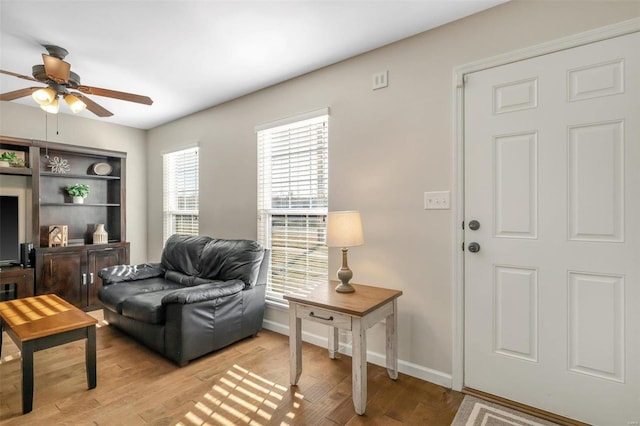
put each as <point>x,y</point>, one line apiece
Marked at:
<point>477,412</point>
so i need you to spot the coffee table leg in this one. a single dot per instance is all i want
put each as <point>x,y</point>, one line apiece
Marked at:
<point>90,355</point>
<point>27,377</point>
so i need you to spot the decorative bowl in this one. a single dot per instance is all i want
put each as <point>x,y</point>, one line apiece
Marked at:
<point>102,169</point>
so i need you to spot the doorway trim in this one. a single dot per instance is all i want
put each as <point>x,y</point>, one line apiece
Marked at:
<point>610,31</point>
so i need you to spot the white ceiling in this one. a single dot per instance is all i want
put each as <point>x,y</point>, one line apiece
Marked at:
<point>190,55</point>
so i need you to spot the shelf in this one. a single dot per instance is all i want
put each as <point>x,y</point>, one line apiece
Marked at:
<point>21,171</point>
<point>81,205</point>
<point>78,176</point>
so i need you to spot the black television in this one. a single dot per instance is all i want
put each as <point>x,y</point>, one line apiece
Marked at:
<point>9,223</point>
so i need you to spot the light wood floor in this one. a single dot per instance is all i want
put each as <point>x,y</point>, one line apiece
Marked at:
<point>246,383</point>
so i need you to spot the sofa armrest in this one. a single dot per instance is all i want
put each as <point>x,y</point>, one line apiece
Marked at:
<point>120,273</point>
<point>203,292</point>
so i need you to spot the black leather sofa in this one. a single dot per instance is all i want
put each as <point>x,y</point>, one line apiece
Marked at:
<point>204,295</point>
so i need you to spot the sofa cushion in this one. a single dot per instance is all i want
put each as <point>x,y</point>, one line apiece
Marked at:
<point>182,253</point>
<point>112,296</point>
<point>146,307</point>
<point>226,260</point>
<point>186,280</point>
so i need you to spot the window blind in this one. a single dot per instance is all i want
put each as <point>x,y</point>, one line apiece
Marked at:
<point>180,192</point>
<point>292,203</point>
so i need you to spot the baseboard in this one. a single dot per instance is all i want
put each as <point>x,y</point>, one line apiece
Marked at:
<point>406,367</point>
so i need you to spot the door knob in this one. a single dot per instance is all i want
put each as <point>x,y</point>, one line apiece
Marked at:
<point>473,247</point>
<point>474,225</point>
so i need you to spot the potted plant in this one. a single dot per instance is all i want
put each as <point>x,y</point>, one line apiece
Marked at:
<point>78,192</point>
<point>8,159</point>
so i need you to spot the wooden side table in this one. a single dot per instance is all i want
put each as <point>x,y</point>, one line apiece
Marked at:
<point>41,322</point>
<point>356,312</point>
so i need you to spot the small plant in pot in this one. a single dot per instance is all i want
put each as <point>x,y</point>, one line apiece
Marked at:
<point>10,159</point>
<point>78,192</point>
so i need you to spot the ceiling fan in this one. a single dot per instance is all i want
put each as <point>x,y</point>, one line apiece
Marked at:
<point>60,81</point>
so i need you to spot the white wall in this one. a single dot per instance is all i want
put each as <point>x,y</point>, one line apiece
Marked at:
<point>22,121</point>
<point>386,148</point>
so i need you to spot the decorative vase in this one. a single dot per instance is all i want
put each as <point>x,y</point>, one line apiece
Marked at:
<point>100,236</point>
<point>4,164</point>
<point>78,200</point>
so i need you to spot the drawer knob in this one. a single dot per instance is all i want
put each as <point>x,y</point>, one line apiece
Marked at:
<point>312,315</point>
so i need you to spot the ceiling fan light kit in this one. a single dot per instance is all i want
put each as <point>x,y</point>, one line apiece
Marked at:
<point>53,107</point>
<point>44,96</point>
<point>75,104</point>
<point>59,78</point>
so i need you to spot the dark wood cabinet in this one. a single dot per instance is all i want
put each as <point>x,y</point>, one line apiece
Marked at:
<point>15,282</point>
<point>98,258</point>
<point>72,272</point>
<point>60,272</point>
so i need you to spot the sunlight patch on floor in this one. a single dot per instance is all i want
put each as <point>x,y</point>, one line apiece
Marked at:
<point>241,397</point>
<point>10,358</point>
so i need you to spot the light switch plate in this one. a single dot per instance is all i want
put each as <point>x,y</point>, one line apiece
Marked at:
<point>436,200</point>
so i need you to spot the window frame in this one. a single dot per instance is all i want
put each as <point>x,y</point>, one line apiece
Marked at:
<point>266,212</point>
<point>171,206</point>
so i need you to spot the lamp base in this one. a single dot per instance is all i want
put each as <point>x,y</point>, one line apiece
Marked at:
<point>344,275</point>
<point>345,288</point>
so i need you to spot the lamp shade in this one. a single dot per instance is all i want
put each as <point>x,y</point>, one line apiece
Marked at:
<point>53,107</point>
<point>344,229</point>
<point>44,96</point>
<point>75,104</point>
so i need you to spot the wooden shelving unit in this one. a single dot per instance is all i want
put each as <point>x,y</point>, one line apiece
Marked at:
<point>71,271</point>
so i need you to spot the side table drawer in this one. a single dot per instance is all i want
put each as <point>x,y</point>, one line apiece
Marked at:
<point>324,316</point>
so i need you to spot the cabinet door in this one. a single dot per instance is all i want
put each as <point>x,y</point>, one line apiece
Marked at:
<point>61,272</point>
<point>98,258</point>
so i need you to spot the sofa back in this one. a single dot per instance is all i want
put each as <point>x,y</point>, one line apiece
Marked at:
<point>182,253</point>
<point>232,260</point>
<point>212,259</point>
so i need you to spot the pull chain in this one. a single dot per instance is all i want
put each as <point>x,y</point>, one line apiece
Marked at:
<point>46,135</point>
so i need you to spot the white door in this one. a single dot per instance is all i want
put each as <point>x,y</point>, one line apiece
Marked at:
<point>552,175</point>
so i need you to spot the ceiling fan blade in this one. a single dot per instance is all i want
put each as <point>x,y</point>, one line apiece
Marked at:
<point>56,69</point>
<point>16,94</point>
<point>24,77</point>
<point>92,106</point>
<point>88,90</point>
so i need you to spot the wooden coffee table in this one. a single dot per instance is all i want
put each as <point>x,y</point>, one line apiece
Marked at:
<point>41,322</point>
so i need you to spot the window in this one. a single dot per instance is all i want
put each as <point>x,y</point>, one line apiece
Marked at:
<point>293,200</point>
<point>180,183</point>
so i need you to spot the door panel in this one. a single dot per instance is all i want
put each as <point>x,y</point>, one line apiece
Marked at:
<point>96,260</point>
<point>552,172</point>
<point>62,274</point>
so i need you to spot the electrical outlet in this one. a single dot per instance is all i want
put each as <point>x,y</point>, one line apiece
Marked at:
<point>380,80</point>
<point>436,200</point>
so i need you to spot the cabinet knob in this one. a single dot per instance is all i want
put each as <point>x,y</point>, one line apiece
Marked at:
<point>84,279</point>
<point>91,278</point>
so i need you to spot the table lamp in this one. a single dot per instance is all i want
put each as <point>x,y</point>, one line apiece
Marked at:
<point>344,230</point>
